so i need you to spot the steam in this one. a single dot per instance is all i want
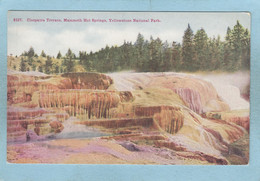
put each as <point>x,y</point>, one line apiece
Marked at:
<point>229,87</point>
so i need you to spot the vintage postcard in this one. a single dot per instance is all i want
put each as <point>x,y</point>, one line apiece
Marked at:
<point>164,88</point>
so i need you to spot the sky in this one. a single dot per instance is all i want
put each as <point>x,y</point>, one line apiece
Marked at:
<point>53,37</point>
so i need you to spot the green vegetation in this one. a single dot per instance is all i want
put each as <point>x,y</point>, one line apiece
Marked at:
<point>197,52</point>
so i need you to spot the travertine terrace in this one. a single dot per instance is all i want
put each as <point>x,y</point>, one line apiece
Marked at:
<point>125,118</point>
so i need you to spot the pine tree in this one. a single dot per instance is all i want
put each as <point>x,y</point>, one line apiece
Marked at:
<point>43,54</point>
<point>237,48</point>
<point>237,45</point>
<point>139,50</point>
<point>155,49</point>
<point>48,65</point>
<point>24,53</point>
<point>216,54</point>
<point>176,56</point>
<point>125,55</point>
<point>84,60</point>
<point>228,50</point>
<point>69,54</point>
<point>23,66</point>
<point>188,50</point>
<point>246,50</point>
<point>59,55</point>
<point>166,57</point>
<point>201,50</point>
<point>33,67</point>
<point>143,65</point>
<point>40,69</point>
<point>30,53</point>
<point>56,69</point>
<point>159,54</point>
<point>68,62</point>
<point>107,65</point>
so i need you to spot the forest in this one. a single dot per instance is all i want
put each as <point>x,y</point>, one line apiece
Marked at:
<point>196,52</point>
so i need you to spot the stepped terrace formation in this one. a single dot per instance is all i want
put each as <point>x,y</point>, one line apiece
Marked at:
<point>125,118</point>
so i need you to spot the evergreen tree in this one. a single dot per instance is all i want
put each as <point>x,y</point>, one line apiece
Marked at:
<point>40,69</point>
<point>84,60</point>
<point>126,55</point>
<point>70,66</point>
<point>24,53</point>
<point>142,64</point>
<point>107,64</point>
<point>23,66</point>
<point>216,53</point>
<point>139,50</point>
<point>30,61</point>
<point>159,54</point>
<point>48,65</point>
<point>30,53</point>
<point>246,50</point>
<point>176,56</point>
<point>201,50</point>
<point>56,69</point>
<point>43,54</point>
<point>155,48</point>
<point>34,67</point>
<point>197,52</point>
<point>188,50</point>
<point>59,55</point>
<point>69,54</point>
<point>166,57</point>
<point>228,50</point>
<point>237,36</point>
<point>116,59</point>
<point>68,62</point>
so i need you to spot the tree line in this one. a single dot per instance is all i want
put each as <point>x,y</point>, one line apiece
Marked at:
<point>197,52</point>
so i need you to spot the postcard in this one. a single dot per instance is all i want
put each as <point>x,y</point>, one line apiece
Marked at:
<point>148,88</point>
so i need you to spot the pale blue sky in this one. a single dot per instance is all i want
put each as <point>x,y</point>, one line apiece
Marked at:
<point>53,37</point>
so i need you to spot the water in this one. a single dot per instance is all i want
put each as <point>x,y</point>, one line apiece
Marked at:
<point>72,130</point>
